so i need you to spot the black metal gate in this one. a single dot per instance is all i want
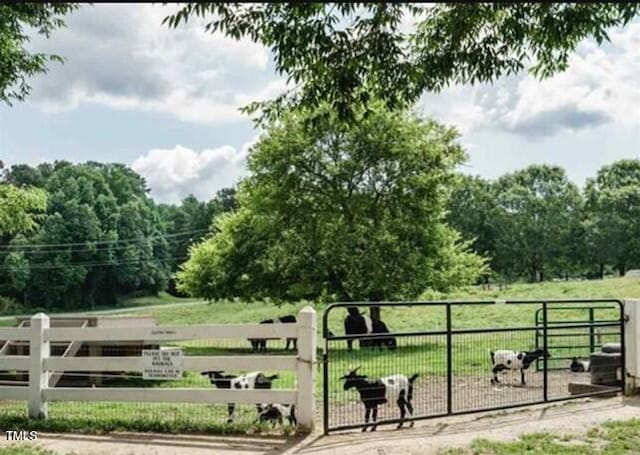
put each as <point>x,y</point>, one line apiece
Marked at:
<point>444,351</point>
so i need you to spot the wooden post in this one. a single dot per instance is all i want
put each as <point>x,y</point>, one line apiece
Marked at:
<point>39,350</point>
<point>305,401</point>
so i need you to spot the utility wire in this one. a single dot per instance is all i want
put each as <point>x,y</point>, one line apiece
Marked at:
<point>106,248</point>
<point>114,263</point>
<point>99,242</point>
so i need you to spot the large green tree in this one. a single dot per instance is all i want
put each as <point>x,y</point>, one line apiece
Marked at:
<point>348,52</point>
<point>338,210</point>
<point>472,211</point>
<point>537,222</point>
<point>17,64</point>
<point>189,223</point>
<point>613,205</point>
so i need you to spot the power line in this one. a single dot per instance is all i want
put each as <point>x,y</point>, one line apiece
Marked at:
<point>114,263</point>
<point>105,249</point>
<point>98,242</point>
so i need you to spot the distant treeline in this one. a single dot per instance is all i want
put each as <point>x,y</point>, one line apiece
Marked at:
<point>100,238</point>
<point>103,237</point>
<point>537,225</point>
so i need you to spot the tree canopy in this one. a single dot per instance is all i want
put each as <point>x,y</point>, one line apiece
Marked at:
<point>535,224</point>
<point>613,203</point>
<point>337,210</point>
<point>100,237</point>
<point>19,208</point>
<point>347,53</point>
<point>17,64</point>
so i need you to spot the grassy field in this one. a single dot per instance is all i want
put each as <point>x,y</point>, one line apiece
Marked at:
<point>424,355</point>
<point>612,438</point>
<point>239,312</point>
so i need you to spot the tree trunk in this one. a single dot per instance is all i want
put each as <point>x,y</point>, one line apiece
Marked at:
<point>601,271</point>
<point>622,269</point>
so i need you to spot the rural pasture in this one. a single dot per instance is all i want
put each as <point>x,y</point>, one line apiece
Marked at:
<point>424,355</point>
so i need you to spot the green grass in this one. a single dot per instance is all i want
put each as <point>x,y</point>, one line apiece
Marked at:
<point>608,288</point>
<point>25,449</point>
<point>105,417</point>
<point>612,438</point>
<point>244,312</point>
<point>160,299</point>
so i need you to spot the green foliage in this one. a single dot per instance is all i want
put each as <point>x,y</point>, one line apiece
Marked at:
<point>613,205</point>
<point>101,233</point>
<point>190,222</point>
<point>338,210</point>
<point>20,208</point>
<point>471,211</point>
<point>530,222</point>
<point>17,64</point>
<point>349,53</point>
<point>539,214</point>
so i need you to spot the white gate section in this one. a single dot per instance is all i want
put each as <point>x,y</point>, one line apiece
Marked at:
<point>40,364</point>
<point>632,346</point>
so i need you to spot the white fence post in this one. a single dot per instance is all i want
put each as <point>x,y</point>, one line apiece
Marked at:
<point>631,377</point>
<point>38,378</point>
<point>305,401</point>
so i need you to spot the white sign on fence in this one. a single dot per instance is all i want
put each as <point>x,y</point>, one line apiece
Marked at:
<point>162,363</point>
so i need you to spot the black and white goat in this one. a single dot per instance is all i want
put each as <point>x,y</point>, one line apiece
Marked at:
<point>276,413</point>
<point>249,381</point>
<point>514,360</point>
<point>374,392</point>
<point>260,344</point>
<point>579,365</point>
<point>357,323</point>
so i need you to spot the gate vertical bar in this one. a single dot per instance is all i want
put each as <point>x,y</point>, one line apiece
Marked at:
<point>623,360</point>
<point>545,359</point>
<point>449,362</point>
<point>592,332</point>
<point>325,382</point>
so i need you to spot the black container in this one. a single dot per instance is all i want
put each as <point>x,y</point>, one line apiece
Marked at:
<point>605,367</point>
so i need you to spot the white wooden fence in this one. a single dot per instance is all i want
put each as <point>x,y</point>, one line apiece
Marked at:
<point>40,364</point>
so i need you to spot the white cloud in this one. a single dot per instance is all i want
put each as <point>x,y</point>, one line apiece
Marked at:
<point>601,85</point>
<point>122,57</point>
<point>175,173</point>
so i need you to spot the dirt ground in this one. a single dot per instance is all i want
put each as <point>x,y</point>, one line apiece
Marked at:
<point>469,392</point>
<point>427,437</point>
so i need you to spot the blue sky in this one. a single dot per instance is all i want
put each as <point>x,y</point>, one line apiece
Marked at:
<point>165,102</point>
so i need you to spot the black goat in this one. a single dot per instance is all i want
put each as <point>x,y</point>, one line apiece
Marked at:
<point>375,392</point>
<point>260,344</point>
<point>514,360</point>
<point>249,381</point>
<point>357,323</point>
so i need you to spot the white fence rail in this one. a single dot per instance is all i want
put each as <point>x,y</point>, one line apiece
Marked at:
<point>40,364</point>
